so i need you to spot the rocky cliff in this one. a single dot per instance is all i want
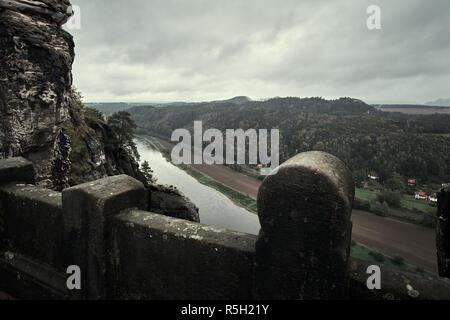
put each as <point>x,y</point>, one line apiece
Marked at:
<point>42,117</point>
<point>95,153</point>
<point>36,58</point>
<point>38,107</point>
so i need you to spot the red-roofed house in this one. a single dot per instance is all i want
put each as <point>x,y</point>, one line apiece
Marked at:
<point>420,196</point>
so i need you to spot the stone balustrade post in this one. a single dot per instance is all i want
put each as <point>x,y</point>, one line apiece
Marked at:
<point>303,248</point>
<point>87,212</point>
<point>18,170</point>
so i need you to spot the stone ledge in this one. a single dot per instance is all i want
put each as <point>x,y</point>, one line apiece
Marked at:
<point>158,257</point>
<point>115,193</point>
<point>394,284</point>
<point>27,279</point>
<point>187,230</point>
<point>34,194</point>
<point>32,221</point>
<point>16,170</point>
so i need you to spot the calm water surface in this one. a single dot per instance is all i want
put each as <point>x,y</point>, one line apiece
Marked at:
<point>214,208</point>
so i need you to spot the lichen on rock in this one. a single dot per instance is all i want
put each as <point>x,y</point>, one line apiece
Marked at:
<point>36,58</point>
<point>171,202</point>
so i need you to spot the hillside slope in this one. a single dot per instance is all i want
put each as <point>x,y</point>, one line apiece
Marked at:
<point>366,139</point>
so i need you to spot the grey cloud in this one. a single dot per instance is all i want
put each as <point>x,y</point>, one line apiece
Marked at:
<point>140,50</point>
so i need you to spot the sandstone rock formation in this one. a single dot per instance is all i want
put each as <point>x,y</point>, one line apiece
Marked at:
<point>36,58</point>
<point>51,10</point>
<point>169,201</point>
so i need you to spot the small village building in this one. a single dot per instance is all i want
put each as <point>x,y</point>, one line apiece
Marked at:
<point>420,196</point>
<point>433,198</point>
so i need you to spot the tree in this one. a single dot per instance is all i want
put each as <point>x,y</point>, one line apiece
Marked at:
<point>319,146</point>
<point>359,176</point>
<point>396,183</point>
<point>92,114</point>
<point>148,172</point>
<point>123,127</point>
<point>393,199</point>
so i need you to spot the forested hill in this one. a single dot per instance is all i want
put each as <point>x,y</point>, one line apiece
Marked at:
<point>366,139</point>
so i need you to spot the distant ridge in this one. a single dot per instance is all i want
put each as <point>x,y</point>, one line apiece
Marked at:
<point>439,103</point>
<point>235,100</point>
<point>413,108</point>
<point>110,107</point>
<point>113,107</point>
<point>407,106</point>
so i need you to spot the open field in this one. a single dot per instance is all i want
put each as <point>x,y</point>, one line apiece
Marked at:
<point>416,244</point>
<point>365,195</point>
<point>361,252</point>
<point>407,201</point>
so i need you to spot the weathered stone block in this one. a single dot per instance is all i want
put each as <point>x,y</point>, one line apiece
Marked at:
<point>33,224</point>
<point>304,244</point>
<point>163,258</point>
<point>88,209</point>
<point>27,279</point>
<point>16,170</point>
<point>397,284</point>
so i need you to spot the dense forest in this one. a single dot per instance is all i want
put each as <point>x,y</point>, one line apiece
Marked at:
<point>368,140</point>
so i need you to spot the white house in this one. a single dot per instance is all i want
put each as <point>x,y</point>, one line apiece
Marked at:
<point>420,196</point>
<point>433,198</point>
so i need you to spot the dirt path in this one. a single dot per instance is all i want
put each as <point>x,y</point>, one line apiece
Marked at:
<point>414,243</point>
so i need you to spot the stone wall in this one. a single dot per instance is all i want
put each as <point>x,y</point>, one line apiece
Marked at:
<point>192,261</point>
<point>125,252</point>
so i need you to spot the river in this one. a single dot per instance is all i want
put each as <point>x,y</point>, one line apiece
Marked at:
<point>214,208</point>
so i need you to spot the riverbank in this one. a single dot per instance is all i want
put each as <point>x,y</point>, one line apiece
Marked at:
<point>237,197</point>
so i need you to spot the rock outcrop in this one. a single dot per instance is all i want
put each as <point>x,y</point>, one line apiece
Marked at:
<point>36,58</point>
<point>169,201</point>
<point>96,153</point>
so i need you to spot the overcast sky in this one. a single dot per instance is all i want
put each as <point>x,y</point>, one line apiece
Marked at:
<point>201,50</point>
